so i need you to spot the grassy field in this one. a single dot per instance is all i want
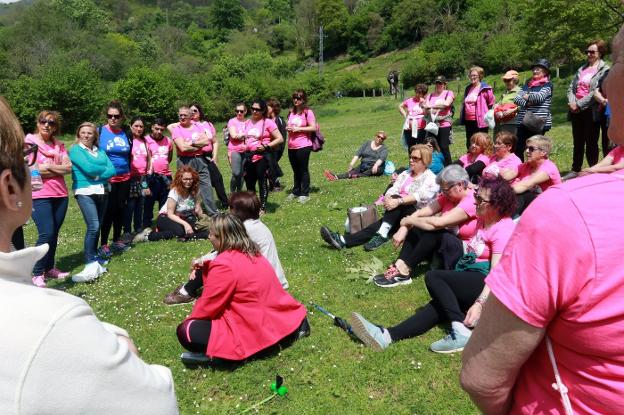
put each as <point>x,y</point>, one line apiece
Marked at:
<point>326,373</point>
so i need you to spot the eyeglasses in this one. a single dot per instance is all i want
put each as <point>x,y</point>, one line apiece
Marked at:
<point>44,121</point>
<point>591,52</point>
<point>195,110</point>
<point>531,149</point>
<point>299,97</point>
<point>113,116</point>
<point>448,189</point>
<point>479,200</point>
<point>240,111</point>
<point>183,116</point>
<point>187,179</point>
<point>30,153</point>
<point>381,137</point>
<point>415,159</point>
<point>254,109</point>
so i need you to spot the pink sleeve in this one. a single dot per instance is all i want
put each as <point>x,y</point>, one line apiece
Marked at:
<point>501,235</point>
<point>484,158</point>
<point>489,98</point>
<point>310,118</point>
<point>270,126</point>
<point>230,123</point>
<point>464,160</point>
<point>550,169</point>
<point>536,275</point>
<point>467,204</point>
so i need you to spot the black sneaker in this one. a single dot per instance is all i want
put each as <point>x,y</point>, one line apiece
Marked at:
<point>332,238</point>
<point>394,281</point>
<point>375,242</point>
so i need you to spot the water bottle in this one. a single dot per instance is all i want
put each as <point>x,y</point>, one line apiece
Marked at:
<point>35,178</point>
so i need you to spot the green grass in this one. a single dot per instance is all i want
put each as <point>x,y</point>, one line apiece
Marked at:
<point>326,373</point>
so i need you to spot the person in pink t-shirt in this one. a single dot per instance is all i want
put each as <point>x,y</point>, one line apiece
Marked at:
<point>438,107</point>
<point>614,161</point>
<point>236,146</point>
<point>261,136</point>
<point>584,109</point>
<point>555,315</point>
<point>422,233</point>
<point>413,113</point>
<point>536,174</point>
<point>504,163</point>
<point>455,293</point>
<point>50,202</point>
<point>478,100</point>
<point>478,156</point>
<point>140,164</point>
<point>300,125</point>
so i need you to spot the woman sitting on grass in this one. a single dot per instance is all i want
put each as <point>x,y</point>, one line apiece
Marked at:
<point>478,156</point>
<point>504,163</point>
<point>536,174</point>
<point>178,217</point>
<point>614,161</point>
<point>412,189</point>
<point>246,207</point>
<point>437,158</point>
<point>450,218</point>
<point>372,155</point>
<point>243,308</point>
<point>458,295</point>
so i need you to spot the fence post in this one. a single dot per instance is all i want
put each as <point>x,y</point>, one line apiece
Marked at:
<point>364,93</point>
<point>557,72</point>
<point>374,93</point>
<point>381,91</point>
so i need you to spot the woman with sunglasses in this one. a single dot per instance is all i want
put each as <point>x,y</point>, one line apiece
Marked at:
<point>584,110</point>
<point>236,146</point>
<point>261,136</point>
<point>457,295</point>
<point>438,107</point>
<point>537,173</point>
<point>301,124</point>
<point>116,143</point>
<point>275,170</point>
<point>448,219</point>
<point>50,202</point>
<point>372,156</point>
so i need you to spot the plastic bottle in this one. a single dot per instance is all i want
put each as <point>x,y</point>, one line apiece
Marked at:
<point>35,178</point>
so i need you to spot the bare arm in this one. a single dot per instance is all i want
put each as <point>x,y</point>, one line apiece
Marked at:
<point>215,151</point>
<point>508,174</point>
<point>171,205</point>
<point>183,145</point>
<point>497,349</point>
<point>533,180</point>
<point>353,161</point>
<point>403,109</point>
<point>50,170</point>
<point>454,217</point>
<point>605,166</point>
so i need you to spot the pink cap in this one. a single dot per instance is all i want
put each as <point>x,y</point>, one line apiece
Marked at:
<point>511,74</point>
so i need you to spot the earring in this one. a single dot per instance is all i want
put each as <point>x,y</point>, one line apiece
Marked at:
<point>19,204</point>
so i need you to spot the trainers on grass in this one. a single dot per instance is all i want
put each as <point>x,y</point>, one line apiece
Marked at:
<point>370,334</point>
<point>453,342</point>
<point>176,297</point>
<point>375,242</point>
<point>332,238</point>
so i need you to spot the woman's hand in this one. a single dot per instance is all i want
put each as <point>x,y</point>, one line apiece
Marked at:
<point>473,315</point>
<point>188,229</point>
<point>292,129</point>
<point>399,236</point>
<point>196,263</point>
<point>391,203</point>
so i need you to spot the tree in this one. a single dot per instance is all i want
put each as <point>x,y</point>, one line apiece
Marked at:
<point>226,15</point>
<point>333,16</point>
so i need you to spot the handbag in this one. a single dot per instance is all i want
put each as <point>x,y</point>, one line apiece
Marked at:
<point>432,127</point>
<point>533,123</point>
<point>360,217</point>
<point>202,223</point>
<point>317,138</point>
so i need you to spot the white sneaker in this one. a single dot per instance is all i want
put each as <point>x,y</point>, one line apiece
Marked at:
<point>90,272</point>
<point>291,196</point>
<point>101,270</point>
<point>142,236</point>
<point>303,199</point>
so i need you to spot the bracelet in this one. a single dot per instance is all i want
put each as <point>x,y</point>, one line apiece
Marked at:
<point>481,300</point>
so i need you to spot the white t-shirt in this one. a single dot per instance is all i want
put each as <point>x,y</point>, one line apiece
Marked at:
<point>183,204</point>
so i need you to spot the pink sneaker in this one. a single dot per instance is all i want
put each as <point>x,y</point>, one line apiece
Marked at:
<point>56,273</point>
<point>39,281</point>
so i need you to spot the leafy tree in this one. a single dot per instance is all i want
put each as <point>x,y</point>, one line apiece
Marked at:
<point>333,16</point>
<point>226,15</point>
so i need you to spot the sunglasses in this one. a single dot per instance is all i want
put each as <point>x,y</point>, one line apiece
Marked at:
<point>479,200</point>
<point>446,190</point>
<point>254,109</point>
<point>113,116</point>
<point>195,110</point>
<point>531,149</point>
<point>240,111</point>
<point>51,123</point>
<point>591,52</point>
<point>30,153</point>
<point>412,158</point>
<point>299,97</point>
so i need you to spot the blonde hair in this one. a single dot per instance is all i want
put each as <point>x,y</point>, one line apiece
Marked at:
<point>96,136</point>
<point>232,235</point>
<point>382,133</point>
<point>426,152</point>
<point>479,70</point>
<point>11,143</point>
<point>55,116</point>
<point>484,141</point>
<point>542,142</point>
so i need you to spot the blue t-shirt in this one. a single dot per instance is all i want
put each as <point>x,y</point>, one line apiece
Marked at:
<point>437,162</point>
<point>117,148</point>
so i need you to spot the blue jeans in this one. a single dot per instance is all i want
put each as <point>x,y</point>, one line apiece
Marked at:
<point>48,214</point>
<point>134,213</point>
<point>159,189</point>
<point>92,208</point>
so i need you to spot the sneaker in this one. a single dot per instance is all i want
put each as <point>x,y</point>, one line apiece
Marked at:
<point>126,238</point>
<point>56,274</point>
<point>39,281</point>
<point>369,333</point>
<point>192,359</point>
<point>291,196</point>
<point>453,342</point>
<point>391,278</point>
<point>142,236</point>
<point>176,297</point>
<point>375,242</point>
<point>90,272</point>
<point>119,247</point>
<point>104,252</point>
<point>303,199</point>
<point>332,238</point>
<point>330,176</point>
<point>571,175</point>
<point>102,261</point>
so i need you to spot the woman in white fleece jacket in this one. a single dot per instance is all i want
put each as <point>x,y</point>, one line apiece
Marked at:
<point>58,358</point>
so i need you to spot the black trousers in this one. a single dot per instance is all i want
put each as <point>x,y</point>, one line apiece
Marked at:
<point>361,171</point>
<point>115,211</point>
<point>524,200</point>
<point>444,141</point>
<point>256,172</point>
<point>585,133</point>
<point>472,128</point>
<point>300,163</point>
<point>420,245</point>
<point>169,229</point>
<point>607,145</point>
<point>392,217</point>
<point>452,294</point>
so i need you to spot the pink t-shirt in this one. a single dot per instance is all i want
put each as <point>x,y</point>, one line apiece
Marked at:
<point>467,229</point>
<point>188,135</point>
<point>470,104</point>
<point>237,146</point>
<point>138,157</point>
<point>548,167</point>
<point>434,99</point>
<point>415,111</point>
<point>258,134</point>
<point>617,154</point>
<point>562,272</point>
<point>52,153</point>
<point>491,240</point>
<point>300,139</point>
<point>582,88</point>
<point>467,159</point>
<point>511,162</point>
<point>210,131</point>
<point>160,151</point>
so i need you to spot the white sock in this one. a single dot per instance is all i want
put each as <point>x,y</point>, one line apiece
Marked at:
<point>384,229</point>
<point>386,335</point>
<point>183,291</point>
<point>459,327</point>
<point>342,239</point>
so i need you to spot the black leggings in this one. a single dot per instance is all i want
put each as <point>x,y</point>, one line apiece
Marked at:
<point>524,200</point>
<point>420,245</point>
<point>444,141</point>
<point>452,294</point>
<point>300,163</point>
<point>169,229</point>
<point>256,172</point>
<point>392,217</point>
<point>585,133</point>
<point>115,211</point>
<point>523,134</point>
<point>193,286</point>
<point>361,172</point>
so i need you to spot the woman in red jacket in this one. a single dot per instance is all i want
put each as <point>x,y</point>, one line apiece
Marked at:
<point>243,308</point>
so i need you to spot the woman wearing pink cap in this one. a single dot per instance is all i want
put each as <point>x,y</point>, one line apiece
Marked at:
<point>505,110</point>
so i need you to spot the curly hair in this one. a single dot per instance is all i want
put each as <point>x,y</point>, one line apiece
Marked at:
<point>502,196</point>
<point>484,141</point>
<point>178,185</point>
